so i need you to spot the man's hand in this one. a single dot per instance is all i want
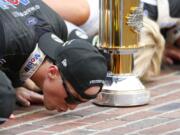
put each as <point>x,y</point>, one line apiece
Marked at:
<point>30,85</point>
<point>171,54</point>
<point>27,97</point>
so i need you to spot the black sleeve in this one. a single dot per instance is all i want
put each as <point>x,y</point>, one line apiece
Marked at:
<point>60,28</point>
<point>174,8</point>
<point>2,41</point>
<point>56,22</point>
<point>150,11</point>
<point>14,77</point>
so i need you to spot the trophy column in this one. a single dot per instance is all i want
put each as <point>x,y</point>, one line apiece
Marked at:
<point>120,24</point>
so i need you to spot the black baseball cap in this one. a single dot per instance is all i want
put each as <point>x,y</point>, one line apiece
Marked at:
<point>7,98</point>
<point>80,63</point>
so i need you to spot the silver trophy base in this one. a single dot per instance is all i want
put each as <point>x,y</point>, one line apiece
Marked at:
<point>123,91</point>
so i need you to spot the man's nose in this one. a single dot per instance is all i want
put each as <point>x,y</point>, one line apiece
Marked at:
<point>72,107</point>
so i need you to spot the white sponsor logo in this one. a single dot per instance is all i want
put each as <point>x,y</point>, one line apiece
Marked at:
<point>55,38</point>
<point>26,12</point>
<point>81,34</point>
<point>2,61</point>
<point>68,42</point>
<point>64,62</point>
<point>96,81</point>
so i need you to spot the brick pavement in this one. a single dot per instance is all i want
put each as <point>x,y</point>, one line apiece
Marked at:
<point>160,117</point>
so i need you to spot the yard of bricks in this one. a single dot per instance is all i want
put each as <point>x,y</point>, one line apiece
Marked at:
<point>160,117</point>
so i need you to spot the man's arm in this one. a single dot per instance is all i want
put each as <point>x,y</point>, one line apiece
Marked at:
<point>25,94</point>
<point>26,97</point>
<point>74,11</point>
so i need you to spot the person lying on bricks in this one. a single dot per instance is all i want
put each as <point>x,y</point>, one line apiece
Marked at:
<point>36,43</point>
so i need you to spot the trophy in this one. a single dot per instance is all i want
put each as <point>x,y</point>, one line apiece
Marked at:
<point>119,27</point>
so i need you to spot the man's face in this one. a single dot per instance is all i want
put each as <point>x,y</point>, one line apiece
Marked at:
<point>56,93</point>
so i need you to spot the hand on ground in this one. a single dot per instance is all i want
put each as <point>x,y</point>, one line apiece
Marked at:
<point>29,84</point>
<point>26,97</point>
<point>171,54</point>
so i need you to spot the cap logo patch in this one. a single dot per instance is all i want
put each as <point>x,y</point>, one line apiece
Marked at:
<point>64,62</point>
<point>96,81</point>
<point>81,34</point>
<point>57,39</point>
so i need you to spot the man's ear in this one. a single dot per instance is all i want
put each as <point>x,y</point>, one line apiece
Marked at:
<point>53,72</point>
